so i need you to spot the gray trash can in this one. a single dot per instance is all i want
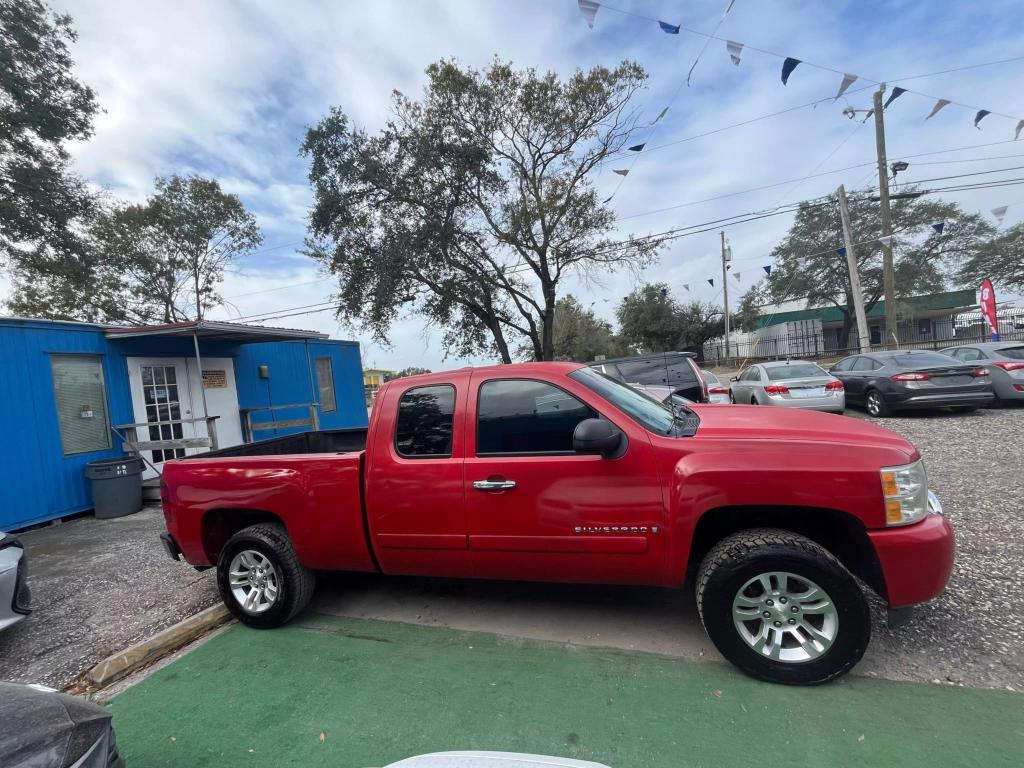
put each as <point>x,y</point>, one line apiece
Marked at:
<point>116,486</point>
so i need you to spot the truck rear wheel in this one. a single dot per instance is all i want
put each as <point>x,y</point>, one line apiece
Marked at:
<point>782,608</point>
<point>260,578</point>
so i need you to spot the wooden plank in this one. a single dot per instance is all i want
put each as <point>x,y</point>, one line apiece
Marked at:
<point>166,445</point>
<point>265,425</point>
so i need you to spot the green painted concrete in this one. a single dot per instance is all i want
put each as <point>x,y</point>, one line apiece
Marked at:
<point>381,691</point>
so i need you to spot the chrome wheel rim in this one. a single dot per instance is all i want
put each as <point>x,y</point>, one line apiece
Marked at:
<point>253,581</point>
<point>874,403</point>
<point>785,617</point>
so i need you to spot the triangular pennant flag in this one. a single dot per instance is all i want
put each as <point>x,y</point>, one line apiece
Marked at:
<point>1000,213</point>
<point>670,29</point>
<point>734,49</point>
<point>589,10</point>
<point>621,171</point>
<point>848,80</point>
<point>711,282</point>
<point>885,240</point>
<point>637,147</point>
<point>868,115</point>
<point>686,286</point>
<point>896,93</point>
<point>607,199</point>
<point>1016,133</point>
<point>787,68</point>
<point>767,269</point>
<point>938,226</point>
<point>737,276</point>
<point>660,115</point>
<point>842,252</point>
<point>664,291</point>
<point>979,117</point>
<point>938,105</point>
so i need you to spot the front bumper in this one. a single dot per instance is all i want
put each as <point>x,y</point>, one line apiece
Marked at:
<point>916,560</point>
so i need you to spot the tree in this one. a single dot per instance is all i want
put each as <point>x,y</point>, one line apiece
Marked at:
<point>1001,260</point>
<point>810,266</point>
<point>580,335</point>
<point>412,370</point>
<point>650,320</point>
<point>749,310</point>
<point>42,107</point>
<point>471,205</point>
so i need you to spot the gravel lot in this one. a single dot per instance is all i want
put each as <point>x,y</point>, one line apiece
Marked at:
<point>98,586</point>
<point>974,633</point>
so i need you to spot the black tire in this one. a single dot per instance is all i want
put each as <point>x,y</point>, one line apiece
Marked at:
<point>295,583</point>
<point>753,400</point>
<point>732,398</point>
<point>875,405</point>
<point>743,556</point>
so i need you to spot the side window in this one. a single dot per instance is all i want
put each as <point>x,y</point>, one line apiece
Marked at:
<point>865,364</point>
<point>523,416</point>
<point>424,425</point>
<point>325,383</point>
<point>969,354</point>
<point>755,374</point>
<point>845,364</point>
<point>81,398</point>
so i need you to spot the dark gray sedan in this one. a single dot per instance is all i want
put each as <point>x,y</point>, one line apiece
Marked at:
<point>1004,361</point>
<point>884,382</point>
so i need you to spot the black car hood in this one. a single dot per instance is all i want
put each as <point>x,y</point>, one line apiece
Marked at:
<point>43,729</point>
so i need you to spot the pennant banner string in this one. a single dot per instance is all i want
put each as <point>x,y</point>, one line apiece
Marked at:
<point>748,46</point>
<point>896,93</point>
<point>707,42</point>
<point>848,80</point>
<point>734,50</point>
<point>938,105</point>
<point>982,114</point>
<point>671,29</point>
<point>787,68</point>
<point>589,10</point>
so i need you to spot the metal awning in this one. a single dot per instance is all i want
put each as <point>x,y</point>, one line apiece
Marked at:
<point>213,330</point>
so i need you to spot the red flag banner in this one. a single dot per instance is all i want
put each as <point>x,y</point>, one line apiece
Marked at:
<point>987,301</point>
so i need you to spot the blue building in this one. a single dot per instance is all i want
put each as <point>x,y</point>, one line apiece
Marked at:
<point>76,392</point>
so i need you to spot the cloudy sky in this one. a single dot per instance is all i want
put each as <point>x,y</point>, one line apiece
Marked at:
<point>227,89</point>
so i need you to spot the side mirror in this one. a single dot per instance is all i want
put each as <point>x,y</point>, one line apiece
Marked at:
<point>734,378</point>
<point>597,436</point>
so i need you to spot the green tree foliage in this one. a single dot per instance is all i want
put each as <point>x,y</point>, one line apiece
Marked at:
<point>159,261</point>
<point>809,266</point>
<point>581,336</point>
<point>651,320</point>
<point>42,107</point>
<point>749,309</point>
<point>473,203</point>
<point>412,370</point>
<point>1001,260</point>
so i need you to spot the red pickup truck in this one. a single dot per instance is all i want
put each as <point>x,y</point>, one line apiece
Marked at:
<point>556,472</point>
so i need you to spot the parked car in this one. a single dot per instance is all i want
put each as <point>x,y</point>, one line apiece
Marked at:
<point>556,472</point>
<point>718,393</point>
<point>46,729</point>
<point>884,382</point>
<point>677,370</point>
<point>789,383</point>
<point>15,597</point>
<point>1004,361</point>
<point>491,760</point>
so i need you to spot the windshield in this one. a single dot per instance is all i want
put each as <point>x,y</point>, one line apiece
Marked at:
<point>649,413</point>
<point>794,371</point>
<point>918,359</point>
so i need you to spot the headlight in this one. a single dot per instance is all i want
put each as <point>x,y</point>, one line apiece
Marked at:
<point>906,493</point>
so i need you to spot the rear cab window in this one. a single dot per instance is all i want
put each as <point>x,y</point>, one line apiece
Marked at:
<point>424,426</point>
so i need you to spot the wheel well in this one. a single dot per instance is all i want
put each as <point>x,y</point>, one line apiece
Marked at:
<point>840,533</point>
<point>219,525</point>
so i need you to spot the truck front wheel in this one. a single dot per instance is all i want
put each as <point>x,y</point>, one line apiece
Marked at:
<point>260,578</point>
<point>782,608</point>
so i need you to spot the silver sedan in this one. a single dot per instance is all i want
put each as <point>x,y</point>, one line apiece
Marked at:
<point>14,594</point>
<point>791,383</point>
<point>1005,363</point>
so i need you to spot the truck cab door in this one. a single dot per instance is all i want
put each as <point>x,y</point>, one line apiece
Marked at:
<point>414,494</point>
<point>536,510</point>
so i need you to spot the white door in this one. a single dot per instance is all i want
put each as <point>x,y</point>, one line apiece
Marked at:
<point>161,395</point>
<point>218,383</point>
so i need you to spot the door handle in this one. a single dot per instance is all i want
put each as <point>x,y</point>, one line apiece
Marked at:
<point>494,485</point>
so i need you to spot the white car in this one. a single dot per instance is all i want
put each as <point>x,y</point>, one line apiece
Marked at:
<point>15,597</point>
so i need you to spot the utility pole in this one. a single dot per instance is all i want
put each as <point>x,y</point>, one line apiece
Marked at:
<point>888,273</point>
<point>851,261</point>
<point>725,292</point>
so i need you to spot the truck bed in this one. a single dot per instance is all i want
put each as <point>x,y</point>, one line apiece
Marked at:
<point>320,441</point>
